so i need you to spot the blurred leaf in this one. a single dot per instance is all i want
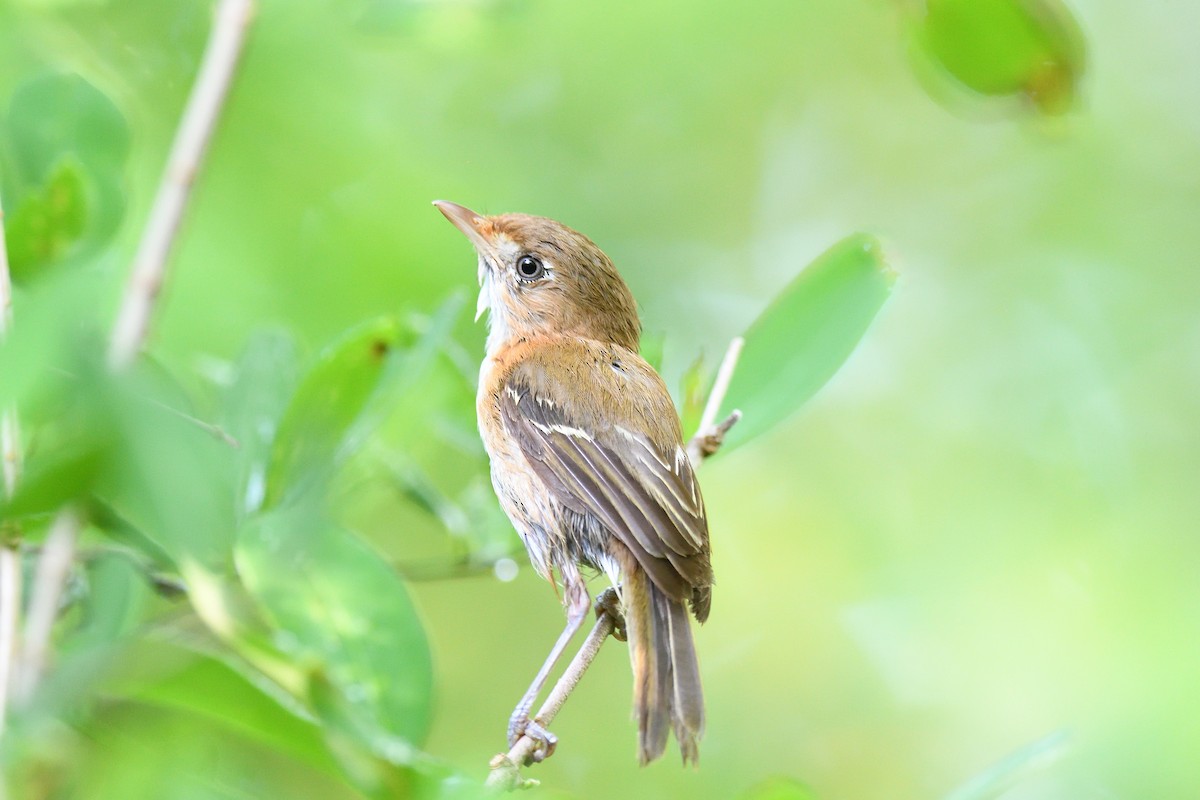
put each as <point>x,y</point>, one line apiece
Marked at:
<point>169,478</point>
<point>340,609</point>
<point>49,220</point>
<point>780,789</point>
<point>265,376</point>
<point>182,679</point>
<point>811,328</point>
<point>54,327</point>
<point>65,150</point>
<point>51,479</point>
<point>117,596</point>
<point>354,384</point>
<point>54,115</point>
<point>312,435</point>
<point>1014,768</point>
<point>694,396</point>
<point>1007,47</point>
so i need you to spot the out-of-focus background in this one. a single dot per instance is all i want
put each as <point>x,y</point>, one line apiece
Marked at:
<point>967,568</point>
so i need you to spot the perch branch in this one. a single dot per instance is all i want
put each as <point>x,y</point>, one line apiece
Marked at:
<point>186,157</point>
<point>505,768</point>
<point>221,55</point>
<point>505,771</point>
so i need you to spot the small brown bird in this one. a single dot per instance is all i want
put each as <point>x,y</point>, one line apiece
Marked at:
<point>588,460</point>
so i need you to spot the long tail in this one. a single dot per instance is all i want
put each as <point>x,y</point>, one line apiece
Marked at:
<point>666,675</point>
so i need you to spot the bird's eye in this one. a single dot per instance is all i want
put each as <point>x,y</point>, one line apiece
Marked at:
<point>530,268</point>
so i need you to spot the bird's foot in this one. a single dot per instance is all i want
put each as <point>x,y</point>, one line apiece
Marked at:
<point>609,602</point>
<point>544,742</point>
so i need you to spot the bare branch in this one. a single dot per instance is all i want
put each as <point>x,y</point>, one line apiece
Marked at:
<point>187,154</point>
<point>10,432</point>
<point>10,620</point>
<point>506,767</point>
<point>709,437</point>
<point>48,582</point>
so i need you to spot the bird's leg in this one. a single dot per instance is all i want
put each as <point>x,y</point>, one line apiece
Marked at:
<point>519,724</point>
<point>609,602</point>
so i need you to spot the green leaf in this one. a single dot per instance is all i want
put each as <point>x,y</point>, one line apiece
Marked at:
<point>55,476</point>
<point>1006,47</point>
<point>182,679</point>
<point>780,789</point>
<point>117,596</point>
<point>355,382</point>
<point>806,334</point>
<point>49,220</point>
<point>311,437</point>
<point>265,376</point>
<point>338,608</point>
<point>1006,773</point>
<point>169,477</point>
<point>55,328</point>
<point>54,115</point>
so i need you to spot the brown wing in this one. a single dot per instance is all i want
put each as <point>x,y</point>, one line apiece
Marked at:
<point>647,498</point>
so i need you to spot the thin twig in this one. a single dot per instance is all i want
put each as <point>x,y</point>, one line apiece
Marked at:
<point>505,771</point>
<point>48,582</point>
<point>709,437</point>
<point>10,431</point>
<point>133,319</point>
<point>10,620</point>
<point>187,153</point>
<point>505,774</point>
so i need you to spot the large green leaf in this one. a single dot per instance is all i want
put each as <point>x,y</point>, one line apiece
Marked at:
<point>1006,47</point>
<point>265,376</point>
<point>65,145</point>
<point>802,339</point>
<point>311,437</point>
<point>190,681</point>
<point>343,615</point>
<point>354,383</point>
<point>53,115</point>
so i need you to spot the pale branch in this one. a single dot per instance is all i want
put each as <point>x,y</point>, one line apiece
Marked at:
<point>217,67</point>
<point>10,620</point>
<point>204,105</point>
<point>505,768</point>
<point>709,436</point>
<point>52,570</point>
<point>505,771</point>
<point>10,432</point>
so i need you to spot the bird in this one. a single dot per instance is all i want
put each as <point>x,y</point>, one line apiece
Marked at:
<point>588,462</point>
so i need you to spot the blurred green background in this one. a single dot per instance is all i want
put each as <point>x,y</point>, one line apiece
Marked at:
<point>977,543</point>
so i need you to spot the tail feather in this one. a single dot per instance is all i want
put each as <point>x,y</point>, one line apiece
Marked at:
<point>666,674</point>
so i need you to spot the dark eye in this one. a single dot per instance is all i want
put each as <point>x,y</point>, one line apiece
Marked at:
<point>530,268</point>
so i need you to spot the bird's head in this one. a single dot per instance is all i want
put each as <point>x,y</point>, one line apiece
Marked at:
<point>539,277</point>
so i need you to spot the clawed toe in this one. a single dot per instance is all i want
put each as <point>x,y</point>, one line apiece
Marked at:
<point>609,602</point>
<point>544,741</point>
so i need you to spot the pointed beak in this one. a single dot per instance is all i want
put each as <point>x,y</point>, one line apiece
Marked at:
<point>474,226</point>
<point>482,235</point>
